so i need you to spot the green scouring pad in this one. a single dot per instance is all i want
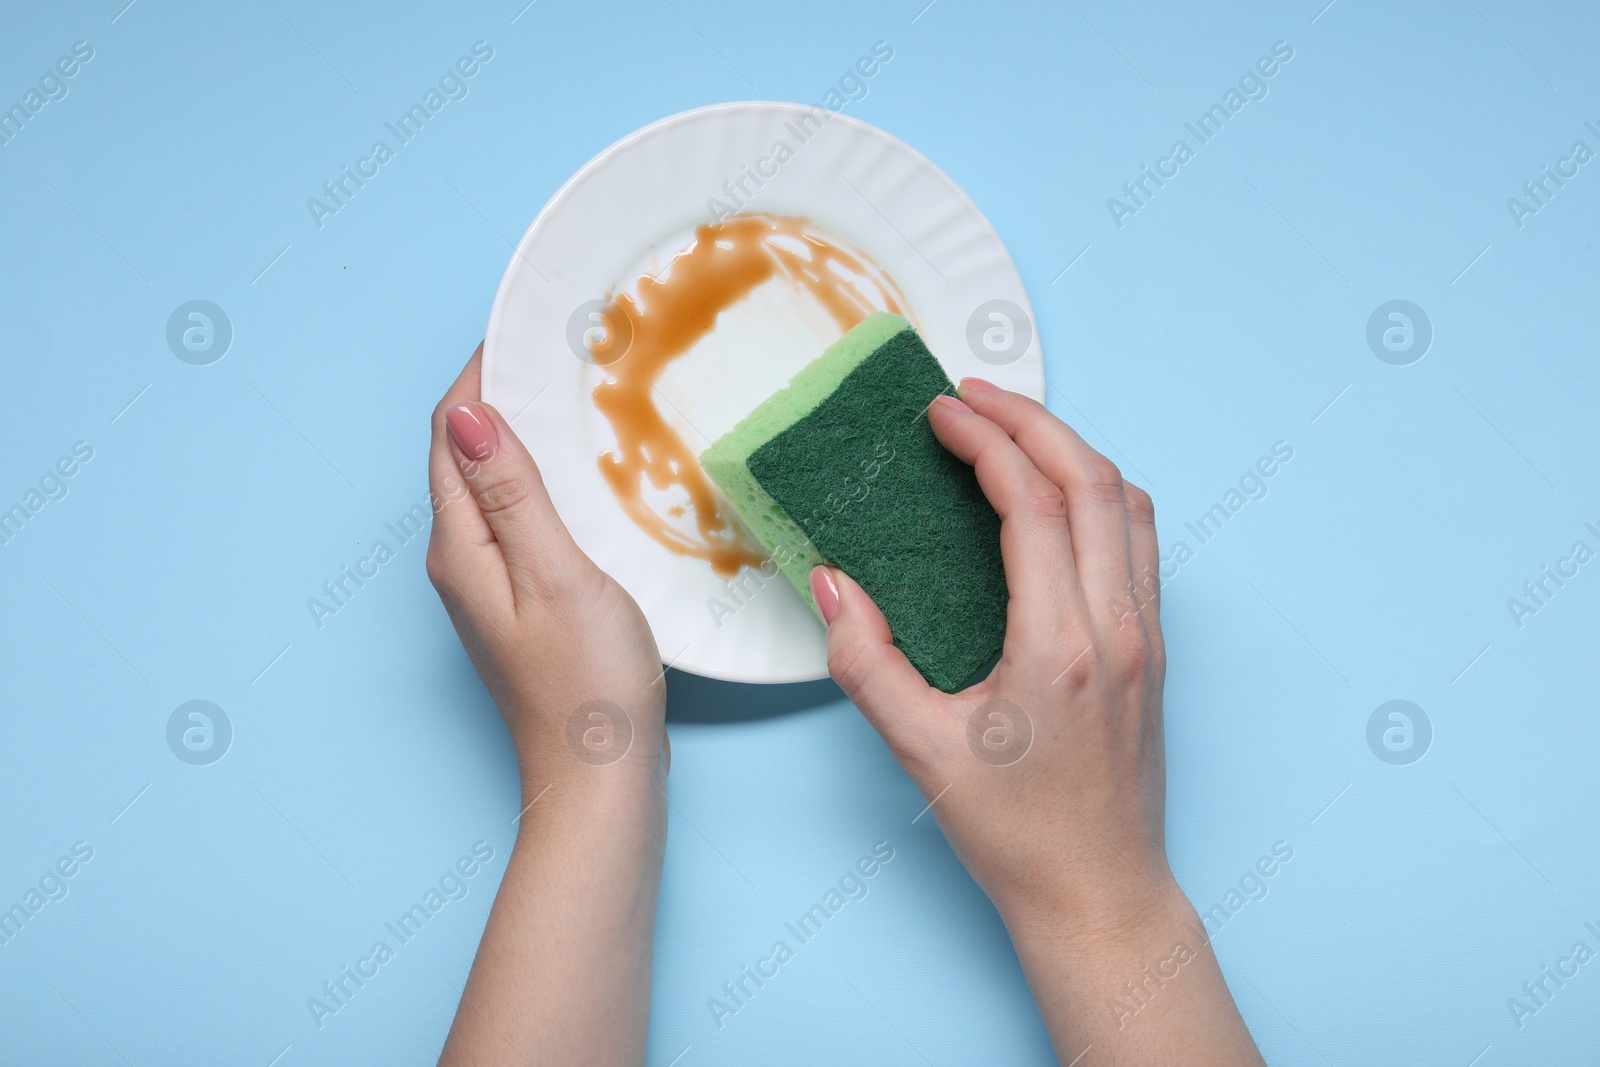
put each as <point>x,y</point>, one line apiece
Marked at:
<point>841,467</point>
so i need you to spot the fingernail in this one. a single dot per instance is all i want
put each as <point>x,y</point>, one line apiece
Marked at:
<point>474,433</point>
<point>978,385</point>
<point>825,593</point>
<point>950,402</point>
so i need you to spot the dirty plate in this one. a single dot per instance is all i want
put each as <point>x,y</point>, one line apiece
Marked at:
<point>627,213</point>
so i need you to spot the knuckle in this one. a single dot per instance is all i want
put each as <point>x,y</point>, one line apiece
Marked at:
<point>844,664</point>
<point>436,566</point>
<point>1029,414</point>
<point>1132,651</point>
<point>1082,666</point>
<point>1103,480</point>
<point>1044,500</point>
<point>498,495</point>
<point>1141,507</point>
<point>851,664</point>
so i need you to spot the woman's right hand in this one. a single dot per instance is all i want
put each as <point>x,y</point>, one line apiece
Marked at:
<point>1048,777</point>
<point>1048,774</point>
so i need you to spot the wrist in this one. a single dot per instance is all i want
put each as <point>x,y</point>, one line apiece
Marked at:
<point>1099,916</point>
<point>597,815</point>
<point>552,777</point>
<point>558,736</point>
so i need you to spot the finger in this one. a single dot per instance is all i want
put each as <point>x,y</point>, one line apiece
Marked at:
<point>1144,550</point>
<point>863,658</point>
<point>1146,560</point>
<point>1097,511</point>
<point>1035,541</point>
<point>541,559</point>
<point>462,552</point>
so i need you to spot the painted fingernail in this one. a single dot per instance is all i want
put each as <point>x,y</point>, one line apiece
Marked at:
<point>825,593</point>
<point>474,433</point>
<point>978,385</point>
<point>950,402</point>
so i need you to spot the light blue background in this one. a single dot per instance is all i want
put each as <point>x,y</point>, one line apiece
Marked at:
<point>1223,317</point>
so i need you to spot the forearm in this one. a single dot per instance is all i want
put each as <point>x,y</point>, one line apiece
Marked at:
<point>1135,980</point>
<point>563,971</point>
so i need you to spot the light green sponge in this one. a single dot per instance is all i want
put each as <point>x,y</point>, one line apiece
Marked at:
<point>841,467</point>
<point>725,461</point>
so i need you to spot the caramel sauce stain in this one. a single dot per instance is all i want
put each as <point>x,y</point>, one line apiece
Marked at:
<point>669,315</point>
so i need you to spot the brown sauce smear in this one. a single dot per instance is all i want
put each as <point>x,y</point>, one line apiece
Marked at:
<point>671,312</point>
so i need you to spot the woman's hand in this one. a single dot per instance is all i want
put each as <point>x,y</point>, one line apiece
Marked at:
<point>1049,772</point>
<point>1048,777</point>
<point>562,974</point>
<point>561,647</point>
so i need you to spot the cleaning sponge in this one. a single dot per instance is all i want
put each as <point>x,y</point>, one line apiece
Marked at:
<point>841,467</point>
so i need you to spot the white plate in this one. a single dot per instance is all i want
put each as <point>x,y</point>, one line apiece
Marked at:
<point>632,208</point>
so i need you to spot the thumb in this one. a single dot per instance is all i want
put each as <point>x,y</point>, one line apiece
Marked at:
<point>506,485</point>
<point>862,656</point>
